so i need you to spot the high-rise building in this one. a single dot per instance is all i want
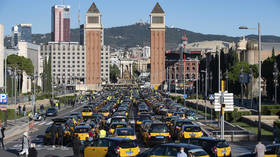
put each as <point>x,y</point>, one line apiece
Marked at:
<point>60,23</point>
<point>1,55</point>
<point>21,32</point>
<point>157,28</point>
<point>67,61</point>
<point>105,64</point>
<point>93,30</point>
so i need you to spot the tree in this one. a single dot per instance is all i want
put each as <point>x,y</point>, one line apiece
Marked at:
<point>114,73</point>
<point>20,63</point>
<point>47,76</point>
<point>267,74</point>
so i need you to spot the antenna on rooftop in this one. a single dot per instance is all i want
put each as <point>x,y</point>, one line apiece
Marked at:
<point>79,15</point>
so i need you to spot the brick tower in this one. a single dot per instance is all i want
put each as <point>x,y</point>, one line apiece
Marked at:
<point>93,30</point>
<point>157,28</point>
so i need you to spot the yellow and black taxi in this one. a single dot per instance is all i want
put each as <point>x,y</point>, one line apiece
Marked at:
<point>170,112</point>
<point>82,132</point>
<point>115,125</point>
<point>171,150</point>
<point>87,112</point>
<point>143,117</point>
<point>125,133</point>
<point>190,131</point>
<point>176,126</point>
<point>156,133</point>
<point>57,122</point>
<point>271,151</point>
<point>112,146</point>
<point>117,119</point>
<point>181,115</point>
<point>214,147</point>
<point>104,111</point>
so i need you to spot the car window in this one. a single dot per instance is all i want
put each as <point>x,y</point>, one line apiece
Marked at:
<point>124,132</point>
<point>270,150</point>
<point>158,151</point>
<point>128,144</point>
<point>171,151</point>
<point>197,152</point>
<point>222,144</point>
<point>192,129</point>
<point>162,128</point>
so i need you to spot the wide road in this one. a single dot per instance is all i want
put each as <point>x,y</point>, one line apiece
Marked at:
<point>14,146</point>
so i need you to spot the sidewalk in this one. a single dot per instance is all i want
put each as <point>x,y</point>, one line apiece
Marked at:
<point>14,129</point>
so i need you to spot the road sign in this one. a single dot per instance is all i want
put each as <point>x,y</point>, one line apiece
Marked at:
<point>3,101</point>
<point>224,98</point>
<point>211,97</point>
<point>185,96</point>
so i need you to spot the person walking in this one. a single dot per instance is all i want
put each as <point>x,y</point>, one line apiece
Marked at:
<point>53,131</point>
<point>76,145</point>
<point>19,110</point>
<point>60,135</point>
<point>41,108</point>
<point>2,135</point>
<point>25,144</point>
<point>182,153</point>
<point>260,149</point>
<point>24,110</point>
<point>102,133</point>
<point>32,151</point>
<point>56,105</point>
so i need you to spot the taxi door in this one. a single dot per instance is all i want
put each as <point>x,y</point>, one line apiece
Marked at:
<point>98,148</point>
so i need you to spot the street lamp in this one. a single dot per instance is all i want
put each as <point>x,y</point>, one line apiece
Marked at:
<point>259,78</point>
<point>205,98</point>
<point>275,74</point>
<point>241,83</point>
<point>251,77</point>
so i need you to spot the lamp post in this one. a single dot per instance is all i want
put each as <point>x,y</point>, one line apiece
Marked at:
<point>251,77</point>
<point>227,78</point>
<point>205,97</point>
<point>241,84</point>
<point>275,74</point>
<point>259,78</point>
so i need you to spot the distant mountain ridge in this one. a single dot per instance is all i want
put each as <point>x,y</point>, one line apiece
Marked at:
<point>138,34</point>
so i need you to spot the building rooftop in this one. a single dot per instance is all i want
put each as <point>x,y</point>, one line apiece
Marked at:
<point>157,9</point>
<point>93,8</point>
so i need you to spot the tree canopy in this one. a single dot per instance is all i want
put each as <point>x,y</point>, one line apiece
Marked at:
<point>21,63</point>
<point>114,73</point>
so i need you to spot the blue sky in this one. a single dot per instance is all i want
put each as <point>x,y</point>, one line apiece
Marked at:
<point>204,16</point>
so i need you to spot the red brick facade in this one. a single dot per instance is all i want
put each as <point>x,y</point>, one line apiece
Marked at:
<point>93,56</point>
<point>157,56</point>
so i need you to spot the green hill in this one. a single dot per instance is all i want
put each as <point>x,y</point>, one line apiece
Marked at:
<point>138,34</point>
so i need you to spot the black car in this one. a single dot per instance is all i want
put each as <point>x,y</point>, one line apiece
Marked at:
<point>51,112</point>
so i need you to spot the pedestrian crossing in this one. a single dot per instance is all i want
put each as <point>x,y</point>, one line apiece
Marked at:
<point>41,123</point>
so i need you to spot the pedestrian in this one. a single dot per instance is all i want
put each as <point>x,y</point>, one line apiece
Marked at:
<point>260,149</point>
<point>24,110</point>
<point>41,108</point>
<point>59,106</point>
<point>53,131</point>
<point>102,133</point>
<point>76,145</point>
<point>60,133</point>
<point>182,153</point>
<point>19,110</point>
<point>56,106</point>
<point>2,135</point>
<point>32,151</point>
<point>25,144</point>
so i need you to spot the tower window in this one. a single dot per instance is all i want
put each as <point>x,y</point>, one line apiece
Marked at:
<point>157,19</point>
<point>93,19</point>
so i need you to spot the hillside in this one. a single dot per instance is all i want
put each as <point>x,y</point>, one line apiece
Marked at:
<point>138,34</point>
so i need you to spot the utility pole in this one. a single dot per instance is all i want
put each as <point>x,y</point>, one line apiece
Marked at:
<point>222,111</point>
<point>260,91</point>
<point>15,75</point>
<point>196,85</point>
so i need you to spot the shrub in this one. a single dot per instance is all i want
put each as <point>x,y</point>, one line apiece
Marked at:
<point>235,115</point>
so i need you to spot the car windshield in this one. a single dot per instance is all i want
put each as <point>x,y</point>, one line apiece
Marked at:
<point>125,132</point>
<point>118,120</point>
<point>127,144</point>
<point>192,129</point>
<point>222,144</point>
<point>82,130</point>
<point>51,109</point>
<point>161,128</point>
<point>181,123</point>
<point>86,110</point>
<point>118,126</point>
<point>197,152</point>
<point>144,118</point>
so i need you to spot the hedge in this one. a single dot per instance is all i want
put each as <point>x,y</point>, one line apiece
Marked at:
<point>271,109</point>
